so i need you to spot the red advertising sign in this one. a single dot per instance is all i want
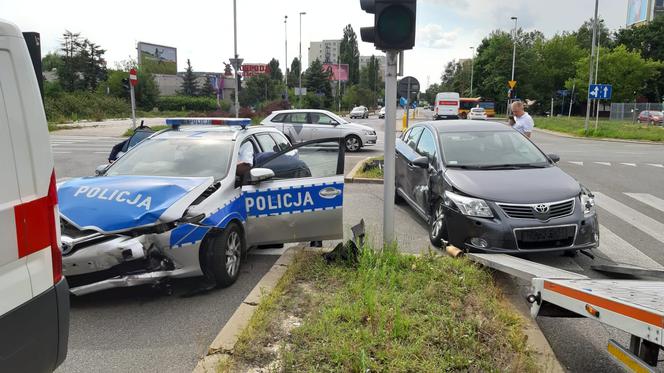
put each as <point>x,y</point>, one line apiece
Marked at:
<point>339,72</point>
<point>253,69</point>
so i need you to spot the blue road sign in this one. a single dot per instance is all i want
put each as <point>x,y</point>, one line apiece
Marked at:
<point>600,92</point>
<point>403,101</point>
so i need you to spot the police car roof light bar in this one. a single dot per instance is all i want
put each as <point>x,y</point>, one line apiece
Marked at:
<point>177,122</point>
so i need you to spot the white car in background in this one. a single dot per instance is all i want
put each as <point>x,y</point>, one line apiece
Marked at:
<point>359,112</point>
<point>312,124</point>
<point>381,113</point>
<point>477,113</point>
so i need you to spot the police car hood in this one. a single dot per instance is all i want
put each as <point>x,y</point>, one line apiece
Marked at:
<point>118,203</point>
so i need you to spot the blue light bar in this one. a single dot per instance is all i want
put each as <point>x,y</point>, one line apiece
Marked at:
<point>176,122</point>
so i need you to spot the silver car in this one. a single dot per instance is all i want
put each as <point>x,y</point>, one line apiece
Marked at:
<point>359,112</point>
<point>310,124</point>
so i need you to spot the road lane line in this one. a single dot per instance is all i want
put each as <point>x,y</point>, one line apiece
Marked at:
<point>604,163</point>
<point>656,165</point>
<point>649,200</point>
<point>640,221</point>
<point>629,164</point>
<point>576,163</point>
<point>61,152</point>
<point>622,252</point>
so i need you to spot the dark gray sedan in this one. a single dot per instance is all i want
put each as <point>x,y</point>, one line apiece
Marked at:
<point>482,186</point>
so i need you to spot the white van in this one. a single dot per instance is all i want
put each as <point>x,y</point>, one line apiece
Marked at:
<point>34,297</point>
<point>446,106</point>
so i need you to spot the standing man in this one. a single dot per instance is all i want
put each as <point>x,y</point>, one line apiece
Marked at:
<point>524,122</point>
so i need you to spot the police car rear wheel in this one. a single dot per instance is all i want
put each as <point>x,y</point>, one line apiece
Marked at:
<point>225,254</point>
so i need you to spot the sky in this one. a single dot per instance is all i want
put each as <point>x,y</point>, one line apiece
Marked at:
<point>202,30</point>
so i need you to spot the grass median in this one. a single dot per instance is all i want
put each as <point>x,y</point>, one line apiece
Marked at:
<point>371,169</point>
<point>389,312</point>
<point>605,129</point>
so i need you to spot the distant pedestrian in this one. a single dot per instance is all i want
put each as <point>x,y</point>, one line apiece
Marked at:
<point>523,121</point>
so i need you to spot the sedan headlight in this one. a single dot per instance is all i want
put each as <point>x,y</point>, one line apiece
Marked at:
<point>369,132</point>
<point>587,201</point>
<point>469,206</point>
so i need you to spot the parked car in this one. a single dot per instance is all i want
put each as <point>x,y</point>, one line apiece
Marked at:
<point>359,112</point>
<point>381,113</point>
<point>34,297</point>
<point>175,206</point>
<point>488,188</point>
<point>310,124</point>
<point>651,117</point>
<point>477,113</point>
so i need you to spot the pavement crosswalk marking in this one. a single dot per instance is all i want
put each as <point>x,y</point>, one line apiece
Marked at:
<point>622,252</point>
<point>656,165</point>
<point>576,163</point>
<point>629,164</point>
<point>649,200</point>
<point>640,221</point>
<point>604,163</point>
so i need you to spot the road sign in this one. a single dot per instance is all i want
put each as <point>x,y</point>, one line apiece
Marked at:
<point>236,63</point>
<point>600,92</point>
<point>133,79</point>
<point>403,101</point>
<point>407,84</point>
<point>512,83</point>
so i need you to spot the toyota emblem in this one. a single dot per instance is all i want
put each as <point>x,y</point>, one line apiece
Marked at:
<point>542,208</point>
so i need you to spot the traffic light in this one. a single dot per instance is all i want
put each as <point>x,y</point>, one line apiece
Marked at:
<point>394,24</point>
<point>125,84</point>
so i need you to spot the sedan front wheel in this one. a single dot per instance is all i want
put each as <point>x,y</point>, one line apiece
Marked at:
<point>438,226</point>
<point>353,143</point>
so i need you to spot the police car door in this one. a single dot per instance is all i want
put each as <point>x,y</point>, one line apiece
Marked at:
<point>303,201</point>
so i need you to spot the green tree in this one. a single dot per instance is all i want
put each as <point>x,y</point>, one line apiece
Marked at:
<point>431,92</point>
<point>83,65</point>
<point>146,91</point>
<point>627,71</point>
<point>206,90</point>
<point>275,71</point>
<point>260,89</point>
<point>357,95</point>
<point>648,41</point>
<point>584,35</point>
<point>189,86</point>
<point>318,80</point>
<point>371,79</point>
<point>68,73</point>
<point>350,54</point>
<point>52,60</point>
<point>294,73</point>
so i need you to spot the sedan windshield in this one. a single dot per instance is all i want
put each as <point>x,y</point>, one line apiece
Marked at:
<point>490,150</point>
<point>184,157</point>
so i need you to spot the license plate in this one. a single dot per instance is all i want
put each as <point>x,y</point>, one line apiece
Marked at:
<point>546,234</point>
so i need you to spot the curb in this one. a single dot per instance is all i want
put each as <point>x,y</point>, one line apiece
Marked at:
<point>225,341</point>
<point>350,178</point>
<point>561,134</point>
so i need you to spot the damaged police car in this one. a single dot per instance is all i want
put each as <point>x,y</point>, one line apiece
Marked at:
<point>178,206</point>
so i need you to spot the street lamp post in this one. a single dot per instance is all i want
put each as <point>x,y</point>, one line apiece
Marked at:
<point>286,53</point>
<point>472,70</point>
<point>515,19</point>
<point>237,65</point>
<point>592,65</point>
<point>300,58</point>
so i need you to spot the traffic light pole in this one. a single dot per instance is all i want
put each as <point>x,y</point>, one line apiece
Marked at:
<point>390,140</point>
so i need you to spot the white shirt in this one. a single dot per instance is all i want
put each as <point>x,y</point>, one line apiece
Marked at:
<point>246,154</point>
<point>524,123</point>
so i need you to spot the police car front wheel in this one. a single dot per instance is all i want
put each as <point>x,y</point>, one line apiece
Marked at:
<point>223,255</point>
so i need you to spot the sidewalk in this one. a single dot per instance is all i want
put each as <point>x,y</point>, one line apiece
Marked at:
<point>107,128</point>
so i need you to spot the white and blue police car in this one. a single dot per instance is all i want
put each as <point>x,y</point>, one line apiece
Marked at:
<point>174,205</point>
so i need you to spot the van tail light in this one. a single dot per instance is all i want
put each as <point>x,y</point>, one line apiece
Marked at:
<point>54,224</point>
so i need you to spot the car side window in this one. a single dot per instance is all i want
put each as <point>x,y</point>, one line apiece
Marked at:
<point>267,143</point>
<point>426,147</point>
<point>279,118</point>
<point>298,118</point>
<point>319,118</point>
<point>281,140</point>
<point>413,136</point>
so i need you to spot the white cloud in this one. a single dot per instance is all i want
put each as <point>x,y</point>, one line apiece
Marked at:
<point>434,36</point>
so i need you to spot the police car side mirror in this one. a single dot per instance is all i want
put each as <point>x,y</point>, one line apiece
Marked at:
<point>101,169</point>
<point>260,174</point>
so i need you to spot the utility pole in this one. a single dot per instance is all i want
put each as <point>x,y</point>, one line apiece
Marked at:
<point>597,102</point>
<point>300,57</point>
<point>472,70</point>
<point>515,19</point>
<point>390,141</point>
<point>286,53</point>
<point>237,64</point>
<point>590,76</point>
<point>571,100</point>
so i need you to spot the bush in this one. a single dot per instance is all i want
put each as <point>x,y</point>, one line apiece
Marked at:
<point>271,106</point>
<point>246,112</point>
<point>74,106</point>
<point>182,103</point>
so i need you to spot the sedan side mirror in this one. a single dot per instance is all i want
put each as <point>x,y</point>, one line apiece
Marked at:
<point>554,157</point>
<point>101,169</point>
<point>260,174</point>
<point>421,162</point>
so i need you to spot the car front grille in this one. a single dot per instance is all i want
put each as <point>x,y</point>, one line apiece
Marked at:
<point>540,211</point>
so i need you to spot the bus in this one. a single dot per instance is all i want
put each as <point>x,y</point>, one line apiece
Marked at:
<point>465,104</point>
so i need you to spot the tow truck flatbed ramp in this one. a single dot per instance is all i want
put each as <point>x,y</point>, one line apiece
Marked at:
<point>634,306</point>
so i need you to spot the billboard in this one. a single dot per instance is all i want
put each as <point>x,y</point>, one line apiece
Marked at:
<point>157,59</point>
<point>339,71</point>
<point>253,69</point>
<point>637,11</point>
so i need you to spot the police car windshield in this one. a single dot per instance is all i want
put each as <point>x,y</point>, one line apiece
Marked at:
<point>184,157</point>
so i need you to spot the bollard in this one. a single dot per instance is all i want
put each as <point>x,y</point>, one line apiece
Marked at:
<point>404,122</point>
<point>414,114</point>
